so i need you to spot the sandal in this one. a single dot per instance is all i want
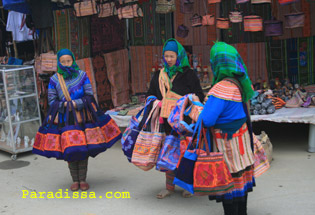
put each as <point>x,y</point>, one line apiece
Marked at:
<point>74,186</point>
<point>84,185</point>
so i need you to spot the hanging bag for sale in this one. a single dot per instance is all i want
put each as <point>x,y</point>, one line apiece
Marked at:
<point>187,6</point>
<point>196,20</point>
<point>236,17</point>
<point>182,31</point>
<point>273,28</point>
<point>284,2</point>
<point>223,23</point>
<point>260,1</point>
<point>241,1</point>
<point>165,6</point>
<point>106,8</point>
<point>129,9</point>
<point>213,1</point>
<point>207,19</point>
<point>85,8</point>
<point>294,20</point>
<point>48,62</point>
<point>131,133</point>
<point>253,23</point>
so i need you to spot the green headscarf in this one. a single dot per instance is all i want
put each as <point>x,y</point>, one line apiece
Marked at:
<point>67,71</point>
<point>226,62</point>
<point>182,60</point>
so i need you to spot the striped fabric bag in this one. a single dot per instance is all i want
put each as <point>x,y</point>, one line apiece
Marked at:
<point>260,1</point>
<point>253,23</point>
<point>213,1</point>
<point>284,2</point>
<point>241,1</point>
<point>261,164</point>
<point>85,8</point>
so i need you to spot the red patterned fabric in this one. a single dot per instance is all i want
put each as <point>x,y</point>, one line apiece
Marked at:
<point>110,131</point>
<point>256,61</point>
<point>52,143</point>
<point>86,65</point>
<point>102,84</point>
<point>107,34</point>
<point>307,22</point>
<point>72,138</point>
<point>139,70</point>
<point>211,174</point>
<point>94,136</point>
<point>117,64</point>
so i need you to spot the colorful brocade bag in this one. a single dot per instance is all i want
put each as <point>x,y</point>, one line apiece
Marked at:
<point>108,127</point>
<point>131,133</point>
<point>211,173</point>
<point>182,108</point>
<point>73,141</point>
<point>261,164</point>
<point>76,141</point>
<point>95,138</point>
<point>47,139</point>
<point>149,141</point>
<point>184,176</point>
<point>169,154</point>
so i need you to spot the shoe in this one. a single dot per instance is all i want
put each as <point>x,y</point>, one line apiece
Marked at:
<point>84,186</point>
<point>74,186</point>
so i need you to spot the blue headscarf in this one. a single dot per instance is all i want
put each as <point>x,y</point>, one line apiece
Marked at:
<point>67,71</point>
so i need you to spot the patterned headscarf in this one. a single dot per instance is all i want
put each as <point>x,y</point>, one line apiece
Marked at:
<point>226,62</point>
<point>67,71</point>
<point>182,60</point>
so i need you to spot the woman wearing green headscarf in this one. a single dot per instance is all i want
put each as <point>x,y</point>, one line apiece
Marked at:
<point>178,77</point>
<point>226,111</point>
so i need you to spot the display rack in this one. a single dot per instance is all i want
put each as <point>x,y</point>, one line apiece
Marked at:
<point>19,109</point>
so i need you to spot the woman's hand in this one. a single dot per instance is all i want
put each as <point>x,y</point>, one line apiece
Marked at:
<point>70,108</point>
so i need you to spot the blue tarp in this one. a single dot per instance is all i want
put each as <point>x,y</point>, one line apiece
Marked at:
<point>16,5</point>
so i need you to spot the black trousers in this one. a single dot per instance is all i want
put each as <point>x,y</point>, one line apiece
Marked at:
<point>235,207</point>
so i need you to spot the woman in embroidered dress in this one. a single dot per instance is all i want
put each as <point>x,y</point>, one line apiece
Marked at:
<point>184,81</point>
<point>226,111</point>
<point>78,85</point>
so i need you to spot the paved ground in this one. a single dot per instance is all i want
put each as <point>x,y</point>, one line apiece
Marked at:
<point>288,188</point>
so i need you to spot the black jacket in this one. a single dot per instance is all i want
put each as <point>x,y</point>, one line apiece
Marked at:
<point>184,83</point>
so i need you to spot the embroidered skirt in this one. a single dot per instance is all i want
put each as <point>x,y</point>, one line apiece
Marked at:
<point>239,158</point>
